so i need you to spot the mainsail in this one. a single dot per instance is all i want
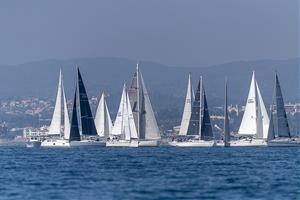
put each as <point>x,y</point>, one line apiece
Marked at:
<point>124,125</point>
<point>143,114</point>
<point>74,130</point>
<point>282,127</point>
<point>226,120</point>
<point>87,121</point>
<point>56,122</point>
<point>187,111</point>
<point>55,126</point>
<point>255,120</point>
<point>102,119</point>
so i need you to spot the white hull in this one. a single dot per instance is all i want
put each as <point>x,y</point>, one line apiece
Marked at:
<point>248,143</point>
<point>193,143</point>
<point>122,143</point>
<point>149,143</point>
<point>87,143</point>
<point>283,142</point>
<point>55,143</point>
<point>33,144</point>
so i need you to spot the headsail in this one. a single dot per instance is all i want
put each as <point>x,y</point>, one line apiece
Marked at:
<point>187,111</point>
<point>262,117</point>
<point>226,120</point>
<point>55,126</point>
<point>194,123</point>
<point>66,116</point>
<point>87,121</point>
<point>271,132</point>
<point>206,129</point>
<point>282,128</point>
<point>118,124</point>
<point>102,119</point>
<point>74,131</point>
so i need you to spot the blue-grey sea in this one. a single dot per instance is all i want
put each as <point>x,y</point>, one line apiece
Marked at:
<point>149,173</point>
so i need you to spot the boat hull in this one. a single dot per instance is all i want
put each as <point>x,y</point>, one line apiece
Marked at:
<point>248,143</point>
<point>284,143</point>
<point>87,143</point>
<point>122,143</point>
<point>149,143</point>
<point>55,143</point>
<point>33,144</point>
<point>194,143</point>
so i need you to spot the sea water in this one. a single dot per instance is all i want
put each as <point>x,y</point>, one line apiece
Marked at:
<point>149,173</point>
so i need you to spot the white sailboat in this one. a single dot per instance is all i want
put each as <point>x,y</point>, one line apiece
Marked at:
<point>58,134</point>
<point>124,132</point>
<point>279,134</point>
<point>199,132</point>
<point>143,114</point>
<point>103,121</point>
<point>254,127</point>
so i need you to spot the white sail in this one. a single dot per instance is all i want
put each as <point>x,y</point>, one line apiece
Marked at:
<point>55,126</point>
<point>263,119</point>
<point>150,124</point>
<point>131,124</point>
<point>118,125</point>
<point>67,126</point>
<point>248,125</point>
<point>102,119</point>
<point>187,111</point>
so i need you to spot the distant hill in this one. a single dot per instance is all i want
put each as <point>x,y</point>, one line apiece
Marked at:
<point>167,85</point>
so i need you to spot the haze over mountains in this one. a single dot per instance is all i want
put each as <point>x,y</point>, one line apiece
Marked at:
<point>166,84</point>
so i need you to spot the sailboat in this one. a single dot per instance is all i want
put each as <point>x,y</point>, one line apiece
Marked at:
<point>58,134</point>
<point>255,123</point>
<point>124,132</point>
<point>226,120</point>
<point>283,137</point>
<point>199,132</point>
<point>144,118</point>
<point>87,128</point>
<point>103,121</point>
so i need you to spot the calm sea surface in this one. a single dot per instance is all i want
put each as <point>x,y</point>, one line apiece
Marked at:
<point>149,173</point>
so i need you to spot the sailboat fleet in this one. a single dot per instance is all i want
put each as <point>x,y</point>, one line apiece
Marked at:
<point>135,124</point>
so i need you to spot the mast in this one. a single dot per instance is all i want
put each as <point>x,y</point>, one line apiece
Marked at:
<point>138,99</point>
<point>200,108</point>
<point>66,115</point>
<point>226,119</point>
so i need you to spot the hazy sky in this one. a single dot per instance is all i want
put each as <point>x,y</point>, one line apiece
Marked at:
<point>173,32</point>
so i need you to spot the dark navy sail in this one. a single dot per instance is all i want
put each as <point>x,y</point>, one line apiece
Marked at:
<point>271,132</point>
<point>206,129</point>
<point>282,129</point>
<point>87,122</point>
<point>226,120</point>
<point>74,131</point>
<point>194,124</point>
